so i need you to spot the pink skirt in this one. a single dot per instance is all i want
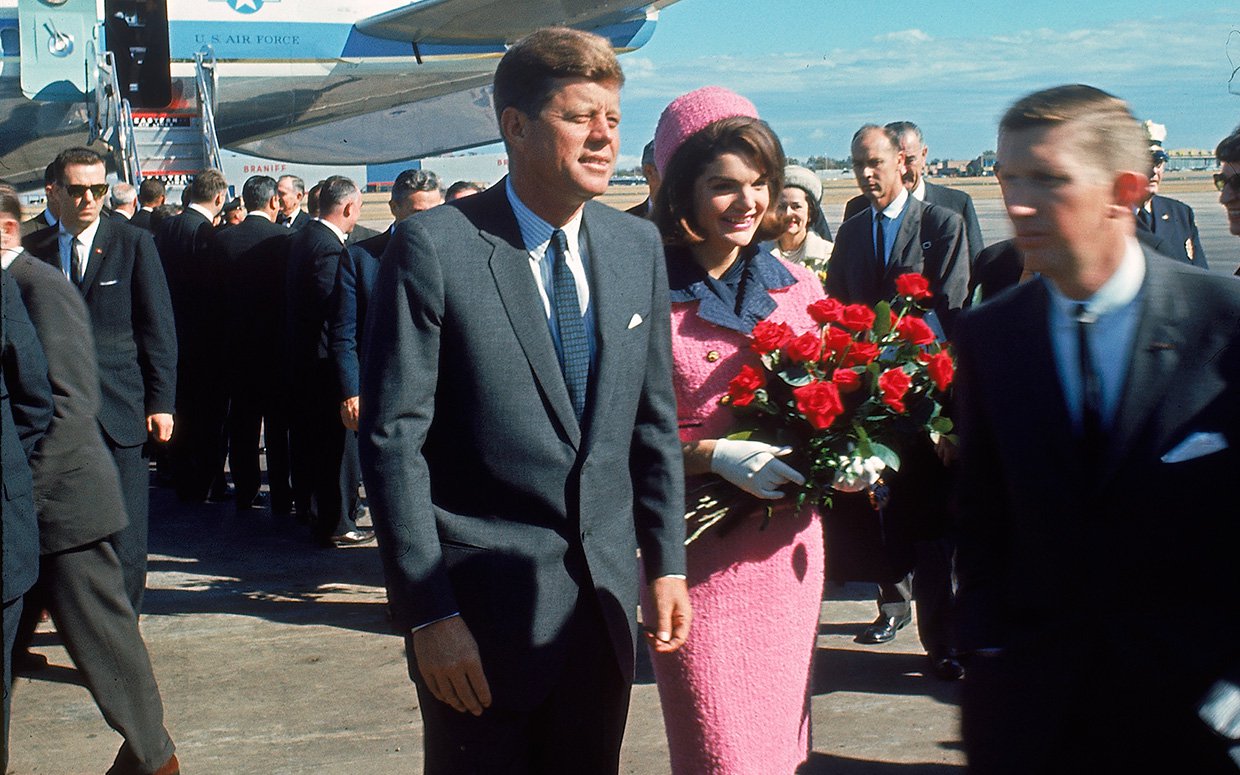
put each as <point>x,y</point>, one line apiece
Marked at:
<point>735,697</point>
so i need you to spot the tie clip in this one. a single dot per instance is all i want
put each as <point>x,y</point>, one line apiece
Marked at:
<point>1156,346</point>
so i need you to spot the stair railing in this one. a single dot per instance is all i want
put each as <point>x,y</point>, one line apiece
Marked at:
<point>111,120</point>
<point>206,79</point>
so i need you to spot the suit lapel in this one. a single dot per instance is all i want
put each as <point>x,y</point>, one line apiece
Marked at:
<point>98,254</point>
<point>510,268</point>
<point>1152,364</point>
<point>910,228</point>
<point>1038,380</point>
<point>610,296</point>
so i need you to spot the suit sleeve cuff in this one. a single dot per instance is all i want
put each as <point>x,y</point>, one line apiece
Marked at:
<point>424,625</point>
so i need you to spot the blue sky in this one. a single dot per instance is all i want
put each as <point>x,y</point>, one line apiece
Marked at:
<point>952,66</point>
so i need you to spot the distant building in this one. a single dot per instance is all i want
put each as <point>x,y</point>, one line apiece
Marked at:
<point>485,168</point>
<point>983,165</point>
<point>1191,159</point>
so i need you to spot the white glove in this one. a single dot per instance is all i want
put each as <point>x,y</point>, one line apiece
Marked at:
<point>753,467</point>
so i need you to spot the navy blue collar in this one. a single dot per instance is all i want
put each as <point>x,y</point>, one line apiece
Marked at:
<point>717,303</point>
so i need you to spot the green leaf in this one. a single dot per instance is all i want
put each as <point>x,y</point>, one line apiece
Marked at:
<point>941,424</point>
<point>887,455</point>
<point>740,436</point>
<point>882,319</point>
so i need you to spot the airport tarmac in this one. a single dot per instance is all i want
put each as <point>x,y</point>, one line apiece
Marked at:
<point>274,657</point>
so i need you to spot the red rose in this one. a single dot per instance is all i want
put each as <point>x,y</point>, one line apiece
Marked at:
<point>860,354</point>
<point>804,348</point>
<point>913,284</point>
<point>941,369</point>
<point>741,388</point>
<point>819,402</point>
<point>825,311</point>
<point>894,383</point>
<point>835,339</point>
<point>857,317</point>
<point>769,337</point>
<point>915,330</point>
<point>847,380</point>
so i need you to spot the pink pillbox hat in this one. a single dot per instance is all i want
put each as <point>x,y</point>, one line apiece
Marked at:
<point>690,113</point>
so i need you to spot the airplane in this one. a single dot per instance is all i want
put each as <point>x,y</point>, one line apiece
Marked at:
<point>164,85</point>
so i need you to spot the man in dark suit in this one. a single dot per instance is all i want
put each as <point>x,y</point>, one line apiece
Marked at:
<point>251,258</point>
<point>651,173</point>
<point>48,217</point>
<point>116,268</point>
<point>894,235</point>
<point>79,504</point>
<point>519,435</point>
<point>915,153</point>
<point>151,195</point>
<point>1169,221</point>
<point>412,192</point>
<point>25,412</point>
<point>1227,179</point>
<point>326,474</point>
<point>1099,428</point>
<point>292,191</point>
<point>183,241</point>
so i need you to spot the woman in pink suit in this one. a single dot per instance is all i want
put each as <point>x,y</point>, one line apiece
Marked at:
<point>735,697</point>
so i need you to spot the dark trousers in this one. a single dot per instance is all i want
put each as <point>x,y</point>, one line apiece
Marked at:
<point>131,541</point>
<point>930,584</point>
<point>578,728</point>
<point>245,421</point>
<point>199,443</point>
<point>276,441</point>
<point>325,453</point>
<point>12,615</point>
<point>84,589</point>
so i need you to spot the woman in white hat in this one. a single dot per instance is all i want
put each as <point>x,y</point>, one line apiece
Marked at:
<point>801,210</point>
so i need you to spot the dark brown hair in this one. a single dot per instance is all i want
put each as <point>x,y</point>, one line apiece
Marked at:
<point>206,185</point>
<point>74,156</point>
<point>750,138</point>
<point>1228,149</point>
<point>526,75</point>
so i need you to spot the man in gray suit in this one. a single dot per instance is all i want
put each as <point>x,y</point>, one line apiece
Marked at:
<point>78,499</point>
<point>519,439</point>
<point>915,150</point>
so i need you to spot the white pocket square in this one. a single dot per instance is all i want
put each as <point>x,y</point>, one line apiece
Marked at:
<point>109,282</point>
<point>1196,445</point>
<point>635,321</point>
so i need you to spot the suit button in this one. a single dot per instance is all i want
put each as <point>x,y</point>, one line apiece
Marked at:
<point>712,356</point>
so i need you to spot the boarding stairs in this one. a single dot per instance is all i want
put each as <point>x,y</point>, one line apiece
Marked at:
<point>171,144</point>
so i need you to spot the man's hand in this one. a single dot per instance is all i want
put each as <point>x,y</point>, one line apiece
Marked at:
<point>673,614</point>
<point>159,426</point>
<point>448,659</point>
<point>348,412</point>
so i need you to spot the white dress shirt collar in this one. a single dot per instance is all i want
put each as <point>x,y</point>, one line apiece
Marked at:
<point>1118,291</point>
<point>896,207</point>
<point>205,212</point>
<point>919,191</point>
<point>335,230</point>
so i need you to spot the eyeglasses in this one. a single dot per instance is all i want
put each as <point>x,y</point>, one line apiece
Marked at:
<point>1222,181</point>
<point>77,190</point>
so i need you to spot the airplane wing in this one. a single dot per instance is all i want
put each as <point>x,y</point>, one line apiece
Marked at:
<point>499,21</point>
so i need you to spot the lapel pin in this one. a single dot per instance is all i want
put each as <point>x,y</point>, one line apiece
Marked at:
<point>925,245</point>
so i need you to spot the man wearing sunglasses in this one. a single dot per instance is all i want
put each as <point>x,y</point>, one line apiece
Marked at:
<point>1227,181</point>
<point>116,269</point>
<point>1169,222</point>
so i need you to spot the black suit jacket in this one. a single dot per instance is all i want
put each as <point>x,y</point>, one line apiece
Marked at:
<point>183,242</point>
<point>132,322</point>
<point>40,221</point>
<point>931,242</point>
<point>77,488</point>
<point>25,412</point>
<point>250,259</point>
<point>141,219</point>
<point>957,201</point>
<point>997,268</point>
<point>359,266</point>
<point>1044,538</point>
<point>314,254</point>
<point>490,498</point>
<point>1174,231</point>
<point>361,234</point>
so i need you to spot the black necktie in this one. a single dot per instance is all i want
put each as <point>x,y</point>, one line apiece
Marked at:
<point>1092,434</point>
<point>574,344</point>
<point>880,243</point>
<point>1143,217</point>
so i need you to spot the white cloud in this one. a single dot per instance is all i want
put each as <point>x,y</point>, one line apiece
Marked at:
<point>903,36</point>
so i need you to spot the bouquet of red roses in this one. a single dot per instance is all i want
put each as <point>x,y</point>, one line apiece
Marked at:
<point>846,397</point>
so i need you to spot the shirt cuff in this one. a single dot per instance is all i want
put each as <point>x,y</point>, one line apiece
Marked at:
<point>432,621</point>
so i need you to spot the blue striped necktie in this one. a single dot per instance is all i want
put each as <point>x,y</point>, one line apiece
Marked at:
<point>574,344</point>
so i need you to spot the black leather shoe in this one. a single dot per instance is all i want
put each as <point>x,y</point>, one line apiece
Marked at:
<point>948,668</point>
<point>883,629</point>
<point>256,502</point>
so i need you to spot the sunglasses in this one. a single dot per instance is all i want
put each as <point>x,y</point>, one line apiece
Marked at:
<point>1222,181</point>
<point>77,190</point>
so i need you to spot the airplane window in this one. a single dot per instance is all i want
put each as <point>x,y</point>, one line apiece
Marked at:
<point>10,43</point>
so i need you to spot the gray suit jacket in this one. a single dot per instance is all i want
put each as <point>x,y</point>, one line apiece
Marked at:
<point>76,487</point>
<point>952,199</point>
<point>931,242</point>
<point>488,496</point>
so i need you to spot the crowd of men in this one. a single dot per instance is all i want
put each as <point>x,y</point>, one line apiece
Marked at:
<point>212,335</point>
